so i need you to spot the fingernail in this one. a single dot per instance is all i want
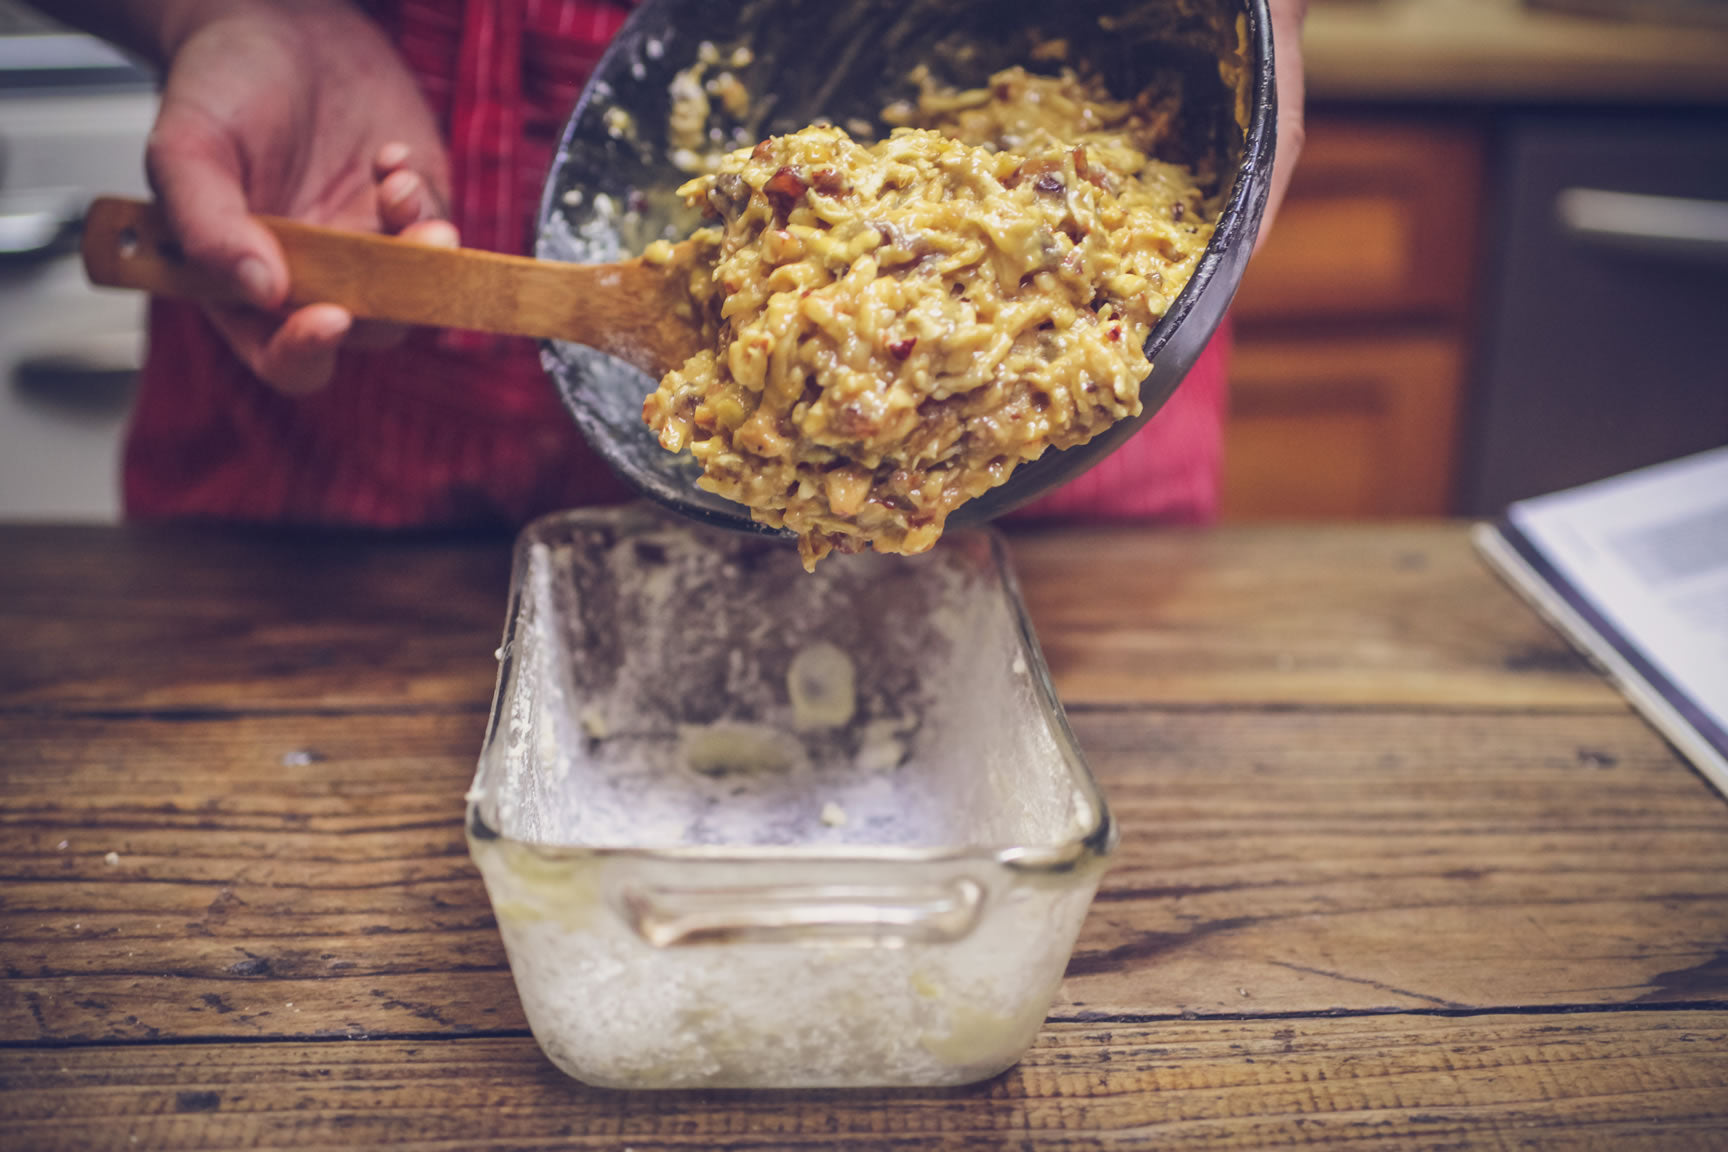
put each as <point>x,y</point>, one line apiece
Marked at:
<point>324,326</point>
<point>399,187</point>
<point>392,155</point>
<point>256,282</point>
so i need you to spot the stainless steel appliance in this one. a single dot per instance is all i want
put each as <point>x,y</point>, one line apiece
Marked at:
<point>73,117</point>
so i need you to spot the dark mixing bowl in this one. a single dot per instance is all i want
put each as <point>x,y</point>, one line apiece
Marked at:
<point>611,188</point>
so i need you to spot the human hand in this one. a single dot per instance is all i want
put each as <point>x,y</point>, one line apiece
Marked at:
<point>1287,18</point>
<point>301,110</point>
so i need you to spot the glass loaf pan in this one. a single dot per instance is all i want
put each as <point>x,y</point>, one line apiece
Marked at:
<point>712,865</point>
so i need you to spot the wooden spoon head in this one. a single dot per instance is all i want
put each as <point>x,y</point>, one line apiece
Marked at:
<point>643,312</point>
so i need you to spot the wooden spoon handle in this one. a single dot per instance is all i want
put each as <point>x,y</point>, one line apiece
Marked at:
<point>638,312</point>
<point>128,244</point>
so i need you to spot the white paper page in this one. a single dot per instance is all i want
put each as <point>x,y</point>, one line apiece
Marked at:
<point>1650,551</point>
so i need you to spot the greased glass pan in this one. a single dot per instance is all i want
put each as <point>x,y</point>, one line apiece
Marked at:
<point>745,826</point>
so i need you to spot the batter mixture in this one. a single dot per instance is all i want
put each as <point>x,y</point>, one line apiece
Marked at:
<point>900,324</point>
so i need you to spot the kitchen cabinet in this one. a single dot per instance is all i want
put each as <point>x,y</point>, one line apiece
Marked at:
<point>1413,336</point>
<point>1359,426</point>
<point>1353,323</point>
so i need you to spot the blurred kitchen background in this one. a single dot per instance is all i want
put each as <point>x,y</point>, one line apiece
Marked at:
<point>73,116</point>
<point>1502,270</point>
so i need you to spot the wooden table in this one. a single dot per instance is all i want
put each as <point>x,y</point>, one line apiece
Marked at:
<point>1396,867</point>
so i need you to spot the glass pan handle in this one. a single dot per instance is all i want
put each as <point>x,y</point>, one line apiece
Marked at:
<point>890,915</point>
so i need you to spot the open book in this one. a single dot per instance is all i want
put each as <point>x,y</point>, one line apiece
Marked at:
<point>1634,571</point>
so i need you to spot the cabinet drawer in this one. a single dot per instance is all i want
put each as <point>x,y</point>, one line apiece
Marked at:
<point>1380,221</point>
<point>1357,428</point>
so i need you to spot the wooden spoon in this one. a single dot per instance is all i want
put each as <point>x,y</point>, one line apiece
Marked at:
<point>636,311</point>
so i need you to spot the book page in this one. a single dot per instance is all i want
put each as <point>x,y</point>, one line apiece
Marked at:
<point>1649,550</point>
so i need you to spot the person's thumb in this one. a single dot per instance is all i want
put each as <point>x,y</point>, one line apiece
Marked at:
<point>196,172</point>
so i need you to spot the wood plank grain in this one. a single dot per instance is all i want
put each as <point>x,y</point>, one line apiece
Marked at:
<point>1390,616</point>
<point>206,621</point>
<point>1603,1080</point>
<point>1379,861</point>
<point>167,618</point>
<point>1287,861</point>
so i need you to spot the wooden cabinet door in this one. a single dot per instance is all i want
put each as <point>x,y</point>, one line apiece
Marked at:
<point>1381,221</point>
<point>1352,324</point>
<point>1359,428</point>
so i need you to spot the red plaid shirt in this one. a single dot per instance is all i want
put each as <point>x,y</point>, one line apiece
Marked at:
<point>442,431</point>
